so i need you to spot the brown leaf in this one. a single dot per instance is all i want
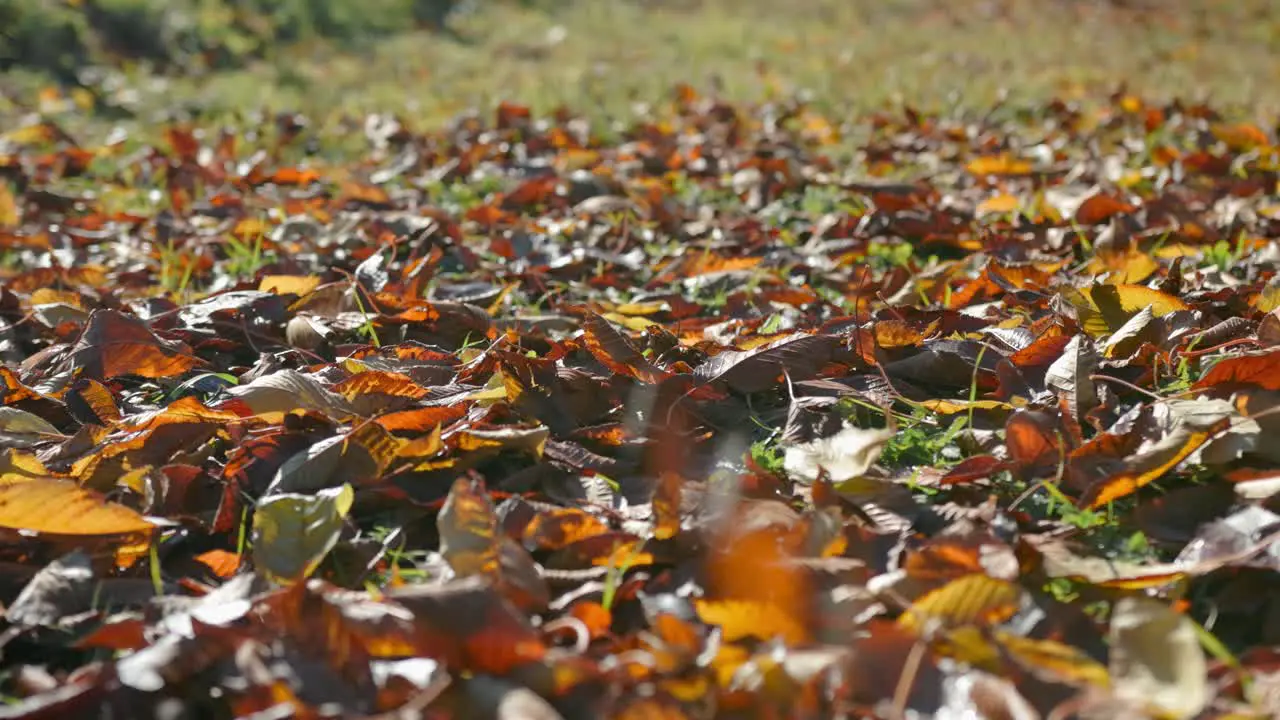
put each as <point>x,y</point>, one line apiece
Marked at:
<point>616,352</point>
<point>747,371</point>
<point>113,344</point>
<point>559,528</point>
<point>1035,442</point>
<point>666,505</point>
<point>469,539</point>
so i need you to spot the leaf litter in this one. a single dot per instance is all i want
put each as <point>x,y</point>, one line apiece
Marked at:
<point>695,418</point>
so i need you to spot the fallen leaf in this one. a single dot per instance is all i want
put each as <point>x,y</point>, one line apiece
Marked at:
<point>292,533</point>
<point>1156,658</point>
<point>847,454</point>
<point>113,344</point>
<point>60,507</point>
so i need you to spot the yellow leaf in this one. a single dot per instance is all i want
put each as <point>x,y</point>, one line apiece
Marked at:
<point>292,533</point>
<point>1002,203</point>
<point>9,215</point>
<point>35,134</point>
<point>943,406</point>
<point>630,322</point>
<point>250,228</point>
<point>1063,661</point>
<point>1123,267</point>
<point>82,98</point>
<point>969,600</point>
<point>15,465</point>
<point>289,284</point>
<point>1130,178</point>
<point>60,507</point>
<point>1174,250</point>
<point>1103,309</point>
<point>643,308</point>
<point>1268,299</point>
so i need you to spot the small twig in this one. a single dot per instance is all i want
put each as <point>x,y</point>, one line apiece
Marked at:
<point>910,668</point>
<point>1216,348</point>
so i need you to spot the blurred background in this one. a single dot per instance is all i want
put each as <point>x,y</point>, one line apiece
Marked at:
<point>435,58</point>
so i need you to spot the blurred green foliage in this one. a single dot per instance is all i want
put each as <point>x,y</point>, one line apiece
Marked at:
<point>63,36</point>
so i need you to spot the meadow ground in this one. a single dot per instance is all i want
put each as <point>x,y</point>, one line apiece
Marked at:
<point>820,358</point>
<point>602,57</point>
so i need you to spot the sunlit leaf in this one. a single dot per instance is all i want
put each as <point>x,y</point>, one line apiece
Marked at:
<point>969,600</point>
<point>60,507</point>
<point>666,505</point>
<point>998,165</point>
<point>616,352</point>
<point>1156,658</point>
<point>847,454</point>
<point>1151,465</point>
<point>556,529</point>
<point>469,530</point>
<point>739,619</point>
<point>998,204</point>
<point>1106,308</point>
<point>114,344</point>
<point>292,533</point>
<point>1260,369</point>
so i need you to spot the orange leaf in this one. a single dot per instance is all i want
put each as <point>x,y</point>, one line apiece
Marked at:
<point>1101,207</point>
<point>1241,136</point>
<point>1151,465</point>
<point>421,419</point>
<point>183,142</point>
<point>559,528</point>
<point>221,563</point>
<point>1261,369</point>
<point>95,400</point>
<point>294,176</point>
<point>380,382</point>
<point>739,619</point>
<point>624,555</point>
<point>996,204</point>
<point>1034,442</point>
<point>594,616</point>
<point>666,506</point>
<point>891,334</point>
<point>998,165</point>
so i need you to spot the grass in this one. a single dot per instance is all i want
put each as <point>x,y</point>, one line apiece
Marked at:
<point>603,57</point>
